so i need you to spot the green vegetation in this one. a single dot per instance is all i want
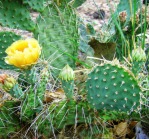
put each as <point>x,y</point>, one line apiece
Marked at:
<point>49,98</point>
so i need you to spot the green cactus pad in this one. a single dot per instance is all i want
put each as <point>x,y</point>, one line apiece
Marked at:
<point>14,14</point>
<point>68,87</point>
<point>86,34</point>
<point>6,39</point>
<point>111,87</point>
<point>58,35</point>
<point>63,113</point>
<point>33,99</point>
<point>9,122</point>
<point>37,5</point>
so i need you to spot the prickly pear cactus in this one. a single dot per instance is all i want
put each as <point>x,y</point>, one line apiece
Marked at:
<point>6,39</point>
<point>33,98</point>
<point>12,15</point>
<point>111,87</point>
<point>58,35</point>
<point>67,78</point>
<point>9,122</point>
<point>16,91</point>
<point>68,87</point>
<point>37,5</point>
<point>29,108</point>
<point>86,34</point>
<point>63,113</point>
<point>66,113</point>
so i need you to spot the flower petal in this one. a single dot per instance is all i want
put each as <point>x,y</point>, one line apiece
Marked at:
<point>23,53</point>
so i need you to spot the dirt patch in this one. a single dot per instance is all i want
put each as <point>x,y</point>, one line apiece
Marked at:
<point>88,8</point>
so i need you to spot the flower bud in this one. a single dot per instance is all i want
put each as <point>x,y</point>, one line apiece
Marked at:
<point>137,18</point>
<point>67,73</point>
<point>123,16</point>
<point>138,55</point>
<point>2,78</point>
<point>9,83</point>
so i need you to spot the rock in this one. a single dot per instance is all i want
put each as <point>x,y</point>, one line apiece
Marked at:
<point>140,134</point>
<point>99,14</point>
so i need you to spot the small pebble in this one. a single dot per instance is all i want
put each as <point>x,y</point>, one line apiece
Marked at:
<point>99,14</point>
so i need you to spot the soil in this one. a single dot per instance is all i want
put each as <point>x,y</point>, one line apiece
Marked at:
<point>87,10</point>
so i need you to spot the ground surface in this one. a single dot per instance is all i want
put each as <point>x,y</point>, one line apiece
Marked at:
<point>87,10</point>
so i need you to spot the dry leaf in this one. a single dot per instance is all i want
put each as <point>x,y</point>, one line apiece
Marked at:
<point>2,77</point>
<point>131,126</point>
<point>51,96</point>
<point>121,129</point>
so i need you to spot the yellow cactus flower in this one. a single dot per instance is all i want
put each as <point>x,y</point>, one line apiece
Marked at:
<point>23,53</point>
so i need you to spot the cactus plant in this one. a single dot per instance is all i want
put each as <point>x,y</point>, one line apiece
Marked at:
<point>33,99</point>
<point>6,39</point>
<point>86,34</point>
<point>35,4</point>
<point>12,15</point>
<point>9,122</point>
<point>58,35</point>
<point>111,87</point>
<point>63,113</point>
<point>66,113</point>
<point>108,94</point>
<point>138,60</point>
<point>67,78</point>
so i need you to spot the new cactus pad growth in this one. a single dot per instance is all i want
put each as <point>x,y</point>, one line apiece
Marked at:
<point>67,78</point>
<point>111,87</point>
<point>138,60</point>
